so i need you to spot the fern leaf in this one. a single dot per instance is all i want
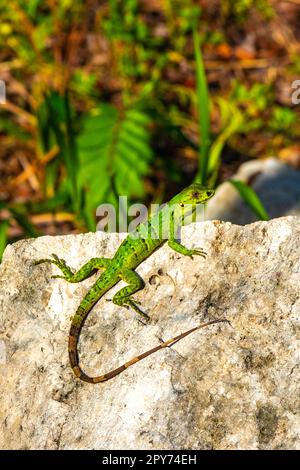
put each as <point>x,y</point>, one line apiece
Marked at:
<point>115,155</point>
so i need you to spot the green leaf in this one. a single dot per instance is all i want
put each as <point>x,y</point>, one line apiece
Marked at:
<point>3,236</point>
<point>55,120</point>
<point>59,200</point>
<point>203,110</point>
<point>282,119</point>
<point>19,212</point>
<point>21,217</point>
<point>115,155</point>
<point>251,198</point>
<point>232,119</point>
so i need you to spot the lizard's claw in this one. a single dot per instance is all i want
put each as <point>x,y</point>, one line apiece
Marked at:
<point>143,321</point>
<point>40,261</point>
<point>58,261</point>
<point>199,252</point>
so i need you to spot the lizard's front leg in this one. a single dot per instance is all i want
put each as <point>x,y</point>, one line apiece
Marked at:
<point>175,245</point>
<point>84,272</point>
<point>178,247</point>
<point>136,283</point>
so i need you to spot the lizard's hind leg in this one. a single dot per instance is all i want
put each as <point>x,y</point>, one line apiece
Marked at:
<point>123,296</point>
<point>84,272</point>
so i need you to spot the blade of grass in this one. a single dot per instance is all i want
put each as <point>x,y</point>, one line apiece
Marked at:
<point>3,236</point>
<point>203,110</point>
<point>73,154</point>
<point>217,148</point>
<point>20,214</point>
<point>251,198</point>
<point>232,125</point>
<point>65,139</point>
<point>21,217</point>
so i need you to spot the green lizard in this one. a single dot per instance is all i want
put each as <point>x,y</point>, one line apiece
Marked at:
<point>138,246</point>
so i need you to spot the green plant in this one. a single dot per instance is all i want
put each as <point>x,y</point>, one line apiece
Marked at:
<point>76,69</point>
<point>282,119</point>
<point>240,9</point>
<point>56,128</point>
<point>16,213</point>
<point>210,154</point>
<point>232,122</point>
<point>203,109</point>
<point>3,236</point>
<point>251,198</point>
<point>115,154</point>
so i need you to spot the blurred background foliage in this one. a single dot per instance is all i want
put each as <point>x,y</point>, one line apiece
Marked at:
<point>138,98</point>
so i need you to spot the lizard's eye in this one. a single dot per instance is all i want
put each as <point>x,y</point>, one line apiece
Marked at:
<point>195,194</point>
<point>181,204</point>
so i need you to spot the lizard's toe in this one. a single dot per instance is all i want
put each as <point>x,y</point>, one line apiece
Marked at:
<point>143,321</point>
<point>58,260</point>
<point>41,261</point>
<point>200,253</point>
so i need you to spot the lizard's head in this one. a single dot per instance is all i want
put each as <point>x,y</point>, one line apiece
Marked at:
<point>194,194</point>
<point>185,203</point>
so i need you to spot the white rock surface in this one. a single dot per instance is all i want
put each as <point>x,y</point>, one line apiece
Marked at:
<point>277,185</point>
<point>222,387</point>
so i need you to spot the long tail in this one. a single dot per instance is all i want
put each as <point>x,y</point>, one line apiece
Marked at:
<point>74,359</point>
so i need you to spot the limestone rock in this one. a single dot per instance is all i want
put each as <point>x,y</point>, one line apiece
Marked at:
<point>223,387</point>
<point>277,185</point>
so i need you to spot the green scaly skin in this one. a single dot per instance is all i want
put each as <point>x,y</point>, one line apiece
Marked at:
<point>129,255</point>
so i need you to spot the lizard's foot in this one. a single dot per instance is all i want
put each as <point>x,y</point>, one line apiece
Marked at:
<point>129,303</point>
<point>134,306</point>
<point>60,263</point>
<point>183,250</point>
<point>56,260</point>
